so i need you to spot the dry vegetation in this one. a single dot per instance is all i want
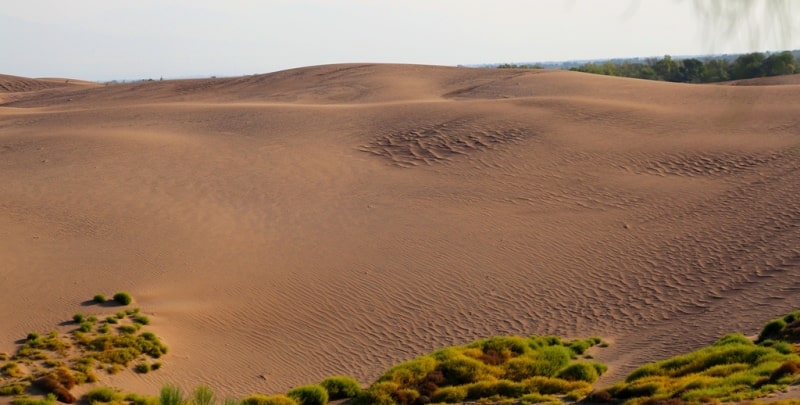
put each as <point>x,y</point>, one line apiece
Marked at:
<point>56,362</point>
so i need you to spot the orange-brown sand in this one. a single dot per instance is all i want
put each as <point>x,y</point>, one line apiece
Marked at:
<point>284,227</point>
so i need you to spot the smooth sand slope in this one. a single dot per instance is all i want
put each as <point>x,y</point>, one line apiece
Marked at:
<point>337,219</point>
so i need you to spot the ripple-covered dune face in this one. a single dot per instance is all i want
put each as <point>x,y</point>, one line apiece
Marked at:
<point>338,219</point>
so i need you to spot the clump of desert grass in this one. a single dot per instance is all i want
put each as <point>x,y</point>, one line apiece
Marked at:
<point>496,369</point>
<point>733,369</point>
<point>57,361</point>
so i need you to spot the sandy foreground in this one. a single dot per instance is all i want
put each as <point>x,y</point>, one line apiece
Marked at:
<point>281,228</point>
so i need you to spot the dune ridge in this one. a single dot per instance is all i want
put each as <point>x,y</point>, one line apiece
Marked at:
<point>285,227</point>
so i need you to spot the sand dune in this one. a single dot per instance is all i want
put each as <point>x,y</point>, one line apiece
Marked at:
<point>284,227</point>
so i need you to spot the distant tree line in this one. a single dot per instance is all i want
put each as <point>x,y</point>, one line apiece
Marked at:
<point>518,66</point>
<point>694,70</point>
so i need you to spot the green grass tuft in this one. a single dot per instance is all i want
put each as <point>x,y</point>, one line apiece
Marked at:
<point>339,387</point>
<point>123,298</point>
<point>309,395</point>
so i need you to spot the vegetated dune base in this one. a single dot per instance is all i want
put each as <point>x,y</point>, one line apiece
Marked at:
<point>284,227</point>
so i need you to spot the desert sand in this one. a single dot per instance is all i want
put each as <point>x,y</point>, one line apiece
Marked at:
<point>285,227</point>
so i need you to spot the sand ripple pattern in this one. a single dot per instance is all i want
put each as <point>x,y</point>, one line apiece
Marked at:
<point>721,164</point>
<point>441,142</point>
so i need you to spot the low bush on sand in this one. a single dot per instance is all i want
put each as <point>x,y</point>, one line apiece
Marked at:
<point>339,387</point>
<point>56,362</point>
<point>309,395</point>
<point>123,298</point>
<point>733,369</point>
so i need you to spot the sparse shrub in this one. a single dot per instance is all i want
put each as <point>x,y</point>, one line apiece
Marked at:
<point>120,314</point>
<point>734,338</point>
<point>203,395</point>
<point>136,399</point>
<point>65,377</point>
<point>520,368</point>
<point>12,389</point>
<point>579,372</point>
<point>77,318</point>
<point>450,395</point>
<point>127,329</point>
<point>11,369</point>
<point>549,385</point>
<point>171,395</point>
<point>462,370</point>
<point>123,298</point>
<point>772,329</point>
<point>141,319</point>
<point>339,387</point>
<point>99,298</point>
<point>501,388</point>
<point>579,346</point>
<point>309,395</point>
<point>155,366</point>
<point>368,397</point>
<point>112,320</point>
<point>536,398</point>
<point>258,399</point>
<point>791,317</point>
<point>600,367</point>
<point>142,368</point>
<point>410,372</point>
<point>85,326</point>
<point>103,394</point>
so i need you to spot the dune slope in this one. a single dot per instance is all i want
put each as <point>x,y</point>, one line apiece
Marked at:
<point>338,219</point>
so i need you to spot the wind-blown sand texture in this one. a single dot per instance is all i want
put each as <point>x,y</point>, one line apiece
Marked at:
<point>284,227</point>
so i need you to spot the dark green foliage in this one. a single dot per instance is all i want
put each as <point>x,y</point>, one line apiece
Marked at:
<point>127,329</point>
<point>516,66</point>
<point>339,387</point>
<point>123,298</point>
<point>772,329</point>
<point>142,368</point>
<point>141,319</point>
<point>734,369</point>
<point>579,372</point>
<point>171,395</point>
<point>791,317</point>
<point>203,395</point>
<point>99,298</point>
<point>694,70</point>
<point>450,395</point>
<point>734,338</point>
<point>506,367</point>
<point>309,395</point>
<point>102,394</point>
<point>50,399</point>
<point>77,318</point>
<point>136,399</point>
<point>258,399</point>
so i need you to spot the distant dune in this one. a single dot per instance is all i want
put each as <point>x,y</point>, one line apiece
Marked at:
<point>284,227</point>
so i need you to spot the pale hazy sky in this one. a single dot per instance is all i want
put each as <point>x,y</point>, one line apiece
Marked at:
<point>139,39</point>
